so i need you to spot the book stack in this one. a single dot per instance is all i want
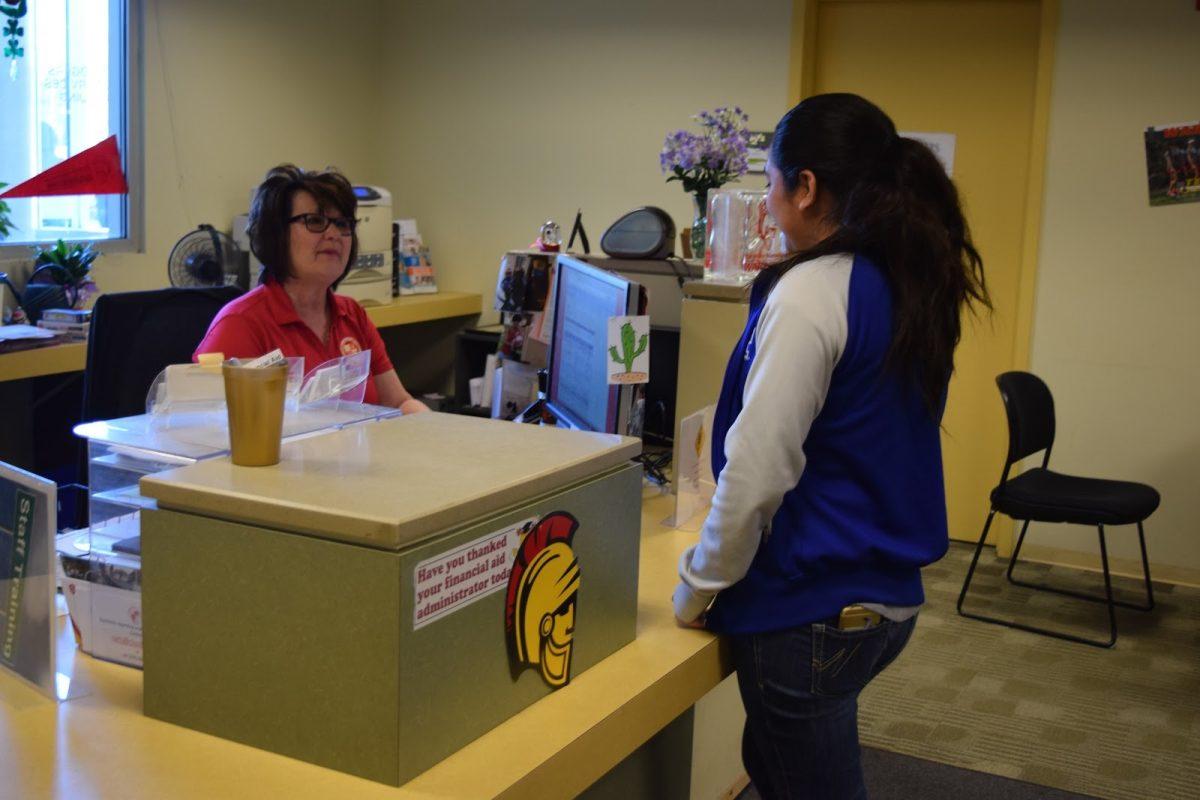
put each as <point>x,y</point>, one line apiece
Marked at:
<point>69,324</point>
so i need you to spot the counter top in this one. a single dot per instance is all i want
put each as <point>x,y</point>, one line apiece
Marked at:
<point>414,308</point>
<point>52,359</point>
<point>101,746</point>
<point>717,290</point>
<point>394,482</point>
<point>407,310</point>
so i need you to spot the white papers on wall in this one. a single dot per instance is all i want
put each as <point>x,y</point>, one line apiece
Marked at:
<point>942,145</point>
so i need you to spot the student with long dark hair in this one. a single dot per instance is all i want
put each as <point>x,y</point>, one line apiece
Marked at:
<point>826,445</point>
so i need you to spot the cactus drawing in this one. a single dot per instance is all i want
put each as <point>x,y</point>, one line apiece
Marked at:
<point>628,351</point>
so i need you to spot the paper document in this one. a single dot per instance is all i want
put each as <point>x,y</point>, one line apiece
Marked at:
<point>12,333</point>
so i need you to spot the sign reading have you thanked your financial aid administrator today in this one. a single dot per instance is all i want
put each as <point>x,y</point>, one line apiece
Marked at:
<point>455,579</point>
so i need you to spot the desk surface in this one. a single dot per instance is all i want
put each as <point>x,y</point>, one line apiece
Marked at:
<point>406,310</point>
<point>364,484</point>
<point>100,745</point>
<point>50,360</point>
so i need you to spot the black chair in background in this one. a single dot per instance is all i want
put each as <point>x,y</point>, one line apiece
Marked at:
<point>1040,495</point>
<point>134,336</point>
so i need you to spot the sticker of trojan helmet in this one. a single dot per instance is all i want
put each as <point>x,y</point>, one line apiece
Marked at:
<point>539,610</point>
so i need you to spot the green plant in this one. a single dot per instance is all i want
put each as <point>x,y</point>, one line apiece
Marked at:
<point>6,223</point>
<point>69,266</point>
<point>629,352</point>
<point>76,261</point>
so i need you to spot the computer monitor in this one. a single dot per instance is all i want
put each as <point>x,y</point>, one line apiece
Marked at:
<point>663,281</point>
<point>578,393</point>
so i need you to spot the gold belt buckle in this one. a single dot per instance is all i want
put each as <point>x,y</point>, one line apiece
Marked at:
<point>856,617</point>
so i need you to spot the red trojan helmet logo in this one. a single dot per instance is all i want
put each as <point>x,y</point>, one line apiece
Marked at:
<point>539,609</point>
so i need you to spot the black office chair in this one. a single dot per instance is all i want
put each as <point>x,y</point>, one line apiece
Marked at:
<point>134,336</point>
<point>1039,495</point>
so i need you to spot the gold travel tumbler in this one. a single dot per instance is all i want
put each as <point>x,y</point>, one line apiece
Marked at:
<point>254,399</point>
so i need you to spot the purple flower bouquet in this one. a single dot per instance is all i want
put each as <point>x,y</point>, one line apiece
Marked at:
<point>711,158</point>
<point>707,160</point>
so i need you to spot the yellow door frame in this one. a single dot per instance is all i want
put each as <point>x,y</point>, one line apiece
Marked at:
<point>801,78</point>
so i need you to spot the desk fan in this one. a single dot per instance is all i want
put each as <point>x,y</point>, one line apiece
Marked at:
<point>205,258</point>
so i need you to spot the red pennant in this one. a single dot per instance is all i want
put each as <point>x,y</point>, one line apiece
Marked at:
<point>96,170</point>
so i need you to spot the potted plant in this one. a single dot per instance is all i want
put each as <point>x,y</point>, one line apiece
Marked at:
<point>68,266</point>
<point>6,223</point>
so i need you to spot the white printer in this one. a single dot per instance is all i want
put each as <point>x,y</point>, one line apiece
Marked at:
<point>370,278</point>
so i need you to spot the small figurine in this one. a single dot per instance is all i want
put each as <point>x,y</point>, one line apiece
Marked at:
<point>549,239</point>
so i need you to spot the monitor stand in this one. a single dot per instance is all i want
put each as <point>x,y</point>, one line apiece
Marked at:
<point>537,413</point>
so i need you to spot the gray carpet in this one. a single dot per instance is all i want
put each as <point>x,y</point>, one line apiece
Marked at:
<point>891,776</point>
<point>1119,723</point>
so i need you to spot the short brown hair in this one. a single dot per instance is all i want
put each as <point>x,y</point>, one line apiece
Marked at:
<point>271,208</point>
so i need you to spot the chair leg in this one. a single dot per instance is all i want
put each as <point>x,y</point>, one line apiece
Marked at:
<point>1031,628</point>
<point>975,560</point>
<point>1112,610</point>
<point>1012,562</point>
<point>1145,572</point>
<point>1083,595</point>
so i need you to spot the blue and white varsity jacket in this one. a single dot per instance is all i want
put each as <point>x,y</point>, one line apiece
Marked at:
<point>829,468</point>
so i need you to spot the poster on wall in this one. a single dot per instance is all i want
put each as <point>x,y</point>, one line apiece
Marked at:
<point>942,145</point>
<point>1173,163</point>
<point>758,148</point>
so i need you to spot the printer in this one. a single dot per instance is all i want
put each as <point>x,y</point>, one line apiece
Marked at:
<point>369,280</point>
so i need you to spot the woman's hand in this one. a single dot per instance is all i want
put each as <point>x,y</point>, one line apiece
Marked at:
<point>700,622</point>
<point>413,406</point>
<point>392,393</point>
<point>691,609</point>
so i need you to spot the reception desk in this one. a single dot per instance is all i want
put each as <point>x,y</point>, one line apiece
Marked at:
<point>389,592</point>
<point>100,745</point>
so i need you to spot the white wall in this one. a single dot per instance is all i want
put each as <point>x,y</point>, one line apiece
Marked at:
<point>233,88</point>
<point>1116,326</point>
<point>499,116</point>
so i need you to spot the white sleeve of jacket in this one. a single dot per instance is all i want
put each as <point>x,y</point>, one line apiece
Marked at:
<point>800,336</point>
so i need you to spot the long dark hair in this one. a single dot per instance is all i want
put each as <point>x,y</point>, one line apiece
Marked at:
<point>893,203</point>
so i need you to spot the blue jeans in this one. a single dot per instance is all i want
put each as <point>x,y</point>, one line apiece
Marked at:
<point>800,688</point>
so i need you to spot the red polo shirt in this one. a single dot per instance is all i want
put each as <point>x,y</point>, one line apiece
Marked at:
<point>264,318</point>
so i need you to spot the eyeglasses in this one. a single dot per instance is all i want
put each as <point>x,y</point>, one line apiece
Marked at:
<point>319,223</point>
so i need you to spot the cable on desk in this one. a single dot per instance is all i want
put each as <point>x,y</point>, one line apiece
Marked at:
<point>680,277</point>
<point>655,465</point>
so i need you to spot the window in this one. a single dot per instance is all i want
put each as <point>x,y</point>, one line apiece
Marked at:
<point>66,93</point>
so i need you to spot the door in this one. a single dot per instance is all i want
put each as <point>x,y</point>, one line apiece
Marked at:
<point>971,69</point>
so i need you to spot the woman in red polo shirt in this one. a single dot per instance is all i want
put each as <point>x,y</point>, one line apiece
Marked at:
<point>302,230</point>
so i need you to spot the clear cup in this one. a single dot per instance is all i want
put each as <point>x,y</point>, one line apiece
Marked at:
<point>254,401</point>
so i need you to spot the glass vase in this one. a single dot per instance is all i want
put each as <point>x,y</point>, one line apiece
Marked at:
<point>699,223</point>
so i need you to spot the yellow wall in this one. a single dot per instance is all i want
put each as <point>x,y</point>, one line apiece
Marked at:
<point>1116,325</point>
<point>499,116</point>
<point>232,88</point>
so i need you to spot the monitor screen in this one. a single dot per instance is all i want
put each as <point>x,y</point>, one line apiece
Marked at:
<point>584,299</point>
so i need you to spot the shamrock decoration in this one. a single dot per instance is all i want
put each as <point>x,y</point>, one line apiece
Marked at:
<point>14,10</point>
